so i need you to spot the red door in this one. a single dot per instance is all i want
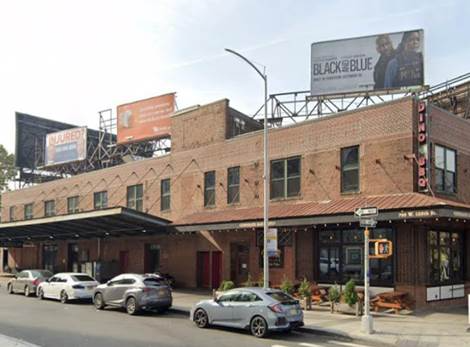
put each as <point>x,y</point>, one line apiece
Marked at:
<point>216,269</point>
<point>123,261</point>
<point>203,270</point>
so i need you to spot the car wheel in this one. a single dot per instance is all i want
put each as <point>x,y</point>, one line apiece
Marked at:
<point>131,306</point>
<point>201,319</point>
<point>259,327</point>
<point>27,291</point>
<point>64,297</point>
<point>98,301</point>
<point>40,294</point>
<point>10,289</point>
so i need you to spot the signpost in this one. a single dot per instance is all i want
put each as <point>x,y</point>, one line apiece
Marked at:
<point>367,220</point>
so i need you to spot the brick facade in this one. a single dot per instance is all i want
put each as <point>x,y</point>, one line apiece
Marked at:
<point>202,141</point>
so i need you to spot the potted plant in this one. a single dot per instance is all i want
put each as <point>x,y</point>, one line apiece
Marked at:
<point>249,282</point>
<point>287,286</point>
<point>333,296</point>
<point>350,295</point>
<point>224,286</point>
<point>305,292</point>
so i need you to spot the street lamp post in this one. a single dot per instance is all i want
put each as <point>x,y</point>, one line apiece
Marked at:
<point>266,171</point>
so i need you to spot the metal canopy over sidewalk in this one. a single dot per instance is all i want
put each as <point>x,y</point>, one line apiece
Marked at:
<point>392,207</point>
<point>111,222</point>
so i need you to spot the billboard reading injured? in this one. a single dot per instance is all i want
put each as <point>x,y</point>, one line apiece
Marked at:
<point>145,119</point>
<point>378,62</point>
<point>66,146</point>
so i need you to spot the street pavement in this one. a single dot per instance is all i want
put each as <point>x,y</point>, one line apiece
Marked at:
<point>52,324</point>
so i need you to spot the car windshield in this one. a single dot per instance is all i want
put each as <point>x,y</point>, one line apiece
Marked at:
<point>82,278</point>
<point>153,282</point>
<point>41,274</point>
<point>283,298</point>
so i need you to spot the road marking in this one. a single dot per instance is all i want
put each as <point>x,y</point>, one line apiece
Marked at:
<point>347,344</point>
<point>305,344</point>
<point>278,346</point>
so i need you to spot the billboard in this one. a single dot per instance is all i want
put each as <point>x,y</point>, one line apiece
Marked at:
<point>145,119</point>
<point>378,62</point>
<point>66,146</point>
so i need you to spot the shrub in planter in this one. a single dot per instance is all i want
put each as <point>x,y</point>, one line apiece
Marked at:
<point>287,286</point>
<point>350,295</point>
<point>226,285</point>
<point>333,296</point>
<point>305,292</point>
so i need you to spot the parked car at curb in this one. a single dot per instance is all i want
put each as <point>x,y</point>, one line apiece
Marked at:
<point>27,281</point>
<point>67,286</point>
<point>257,309</point>
<point>134,292</point>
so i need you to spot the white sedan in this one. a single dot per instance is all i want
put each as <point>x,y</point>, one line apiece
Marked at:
<point>67,286</point>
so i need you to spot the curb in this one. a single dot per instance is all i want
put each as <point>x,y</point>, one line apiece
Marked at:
<point>309,330</point>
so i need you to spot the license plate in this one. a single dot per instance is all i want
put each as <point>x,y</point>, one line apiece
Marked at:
<point>90,287</point>
<point>293,311</point>
<point>162,292</point>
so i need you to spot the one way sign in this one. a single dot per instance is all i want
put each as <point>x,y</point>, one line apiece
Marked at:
<point>366,212</point>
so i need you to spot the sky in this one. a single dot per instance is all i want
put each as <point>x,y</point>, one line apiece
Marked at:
<point>67,60</point>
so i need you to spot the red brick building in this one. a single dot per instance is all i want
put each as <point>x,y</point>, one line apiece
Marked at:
<point>199,208</point>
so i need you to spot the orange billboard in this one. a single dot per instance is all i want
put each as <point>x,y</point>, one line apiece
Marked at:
<point>145,119</point>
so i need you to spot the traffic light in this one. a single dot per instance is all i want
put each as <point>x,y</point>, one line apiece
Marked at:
<point>382,248</point>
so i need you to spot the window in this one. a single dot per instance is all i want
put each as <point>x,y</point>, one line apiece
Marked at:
<point>28,211</point>
<point>49,208</point>
<point>284,239</point>
<point>350,169</point>
<point>209,188</point>
<point>12,213</point>
<point>165,198</point>
<point>135,196</point>
<point>285,178</point>
<point>445,257</point>
<point>100,200</point>
<point>445,166</point>
<point>72,204</point>
<point>341,254</point>
<point>233,185</point>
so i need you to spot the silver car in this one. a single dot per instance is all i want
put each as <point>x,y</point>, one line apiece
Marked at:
<point>27,281</point>
<point>257,309</point>
<point>134,292</point>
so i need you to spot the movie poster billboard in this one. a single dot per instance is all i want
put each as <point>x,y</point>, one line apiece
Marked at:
<point>66,146</point>
<point>145,119</point>
<point>378,62</point>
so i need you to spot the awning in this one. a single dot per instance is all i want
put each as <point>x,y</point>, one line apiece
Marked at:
<point>392,207</point>
<point>111,222</point>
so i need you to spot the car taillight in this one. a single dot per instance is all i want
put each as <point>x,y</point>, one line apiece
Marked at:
<point>276,308</point>
<point>146,289</point>
<point>36,282</point>
<point>78,286</point>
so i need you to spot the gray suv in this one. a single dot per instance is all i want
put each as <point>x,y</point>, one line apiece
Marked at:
<point>134,292</point>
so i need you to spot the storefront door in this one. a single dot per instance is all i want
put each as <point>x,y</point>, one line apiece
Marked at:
<point>123,261</point>
<point>152,258</point>
<point>49,256</point>
<point>239,262</point>
<point>72,263</point>
<point>216,269</point>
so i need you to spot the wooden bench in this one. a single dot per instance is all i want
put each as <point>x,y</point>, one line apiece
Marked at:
<point>396,301</point>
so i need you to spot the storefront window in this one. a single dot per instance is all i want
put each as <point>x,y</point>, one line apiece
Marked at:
<point>445,257</point>
<point>341,257</point>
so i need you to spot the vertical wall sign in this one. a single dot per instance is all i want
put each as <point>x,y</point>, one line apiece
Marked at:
<point>423,152</point>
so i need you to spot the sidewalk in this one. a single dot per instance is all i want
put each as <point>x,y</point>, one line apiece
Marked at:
<point>444,328</point>
<point>6,341</point>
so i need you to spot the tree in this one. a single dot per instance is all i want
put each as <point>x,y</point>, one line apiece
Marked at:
<point>7,168</point>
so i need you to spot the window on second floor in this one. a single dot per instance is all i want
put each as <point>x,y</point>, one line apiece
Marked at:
<point>209,188</point>
<point>28,211</point>
<point>12,213</point>
<point>49,208</point>
<point>233,185</point>
<point>445,169</point>
<point>165,198</point>
<point>135,197</point>
<point>73,204</point>
<point>285,178</point>
<point>100,200</point>
<point>350,169</point>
